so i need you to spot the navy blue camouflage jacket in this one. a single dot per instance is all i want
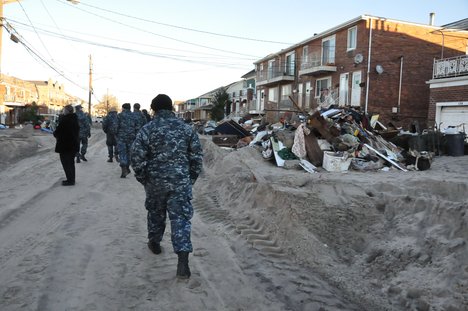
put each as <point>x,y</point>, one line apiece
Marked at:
<point>85,123</point>
<point>167,152</point>
<point>140,118</point>
<point>127,127</point>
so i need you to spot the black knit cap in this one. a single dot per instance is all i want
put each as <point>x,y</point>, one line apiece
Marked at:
<point>126,106</point>
<point>161,102</point>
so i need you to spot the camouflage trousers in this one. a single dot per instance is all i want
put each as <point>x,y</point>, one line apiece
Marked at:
<point>84,145</point>
<point>124,152</point>
<point>175,203</point>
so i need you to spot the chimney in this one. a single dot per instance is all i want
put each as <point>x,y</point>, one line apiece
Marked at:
<point>431,19</point>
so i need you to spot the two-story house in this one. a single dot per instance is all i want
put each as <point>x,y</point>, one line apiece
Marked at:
<point>373,63</point>
<point>448,106</point>
<point>15,94</point>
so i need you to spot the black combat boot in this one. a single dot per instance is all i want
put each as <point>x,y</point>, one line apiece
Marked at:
<point>110,160</point>
<point>83,158</point>
<point>183,270</point>
<point>154,246</point>
<point>124,172</point>
<point>78,159</point>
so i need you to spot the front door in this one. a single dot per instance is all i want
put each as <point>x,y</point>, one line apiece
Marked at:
<point>344,89</point>
<point>356,89</point>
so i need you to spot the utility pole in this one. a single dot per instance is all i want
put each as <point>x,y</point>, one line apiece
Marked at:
<point>2,2</point>
<point>2,99</point>
<point>90,84</point>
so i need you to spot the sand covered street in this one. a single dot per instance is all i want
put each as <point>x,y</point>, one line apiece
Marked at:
<point>265,238</point>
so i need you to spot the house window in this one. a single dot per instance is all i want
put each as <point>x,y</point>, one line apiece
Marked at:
<point>322,85</point>
<point>305,54</point>
<point>328,50</point>
<point>273,94</point>
<point>271,66</point>
<point>352,38</point>
<point>290,63</point>
<point>286,90</point>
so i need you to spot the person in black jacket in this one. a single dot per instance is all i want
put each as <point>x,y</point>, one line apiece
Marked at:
<point>68,143</point>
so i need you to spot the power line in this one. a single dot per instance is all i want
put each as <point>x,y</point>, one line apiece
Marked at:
<point>159,55</point>
<point>185,28</point>
<point>153,33</point>
<point>63,36</point>
<point>39,37</point>
<point>36,55</point>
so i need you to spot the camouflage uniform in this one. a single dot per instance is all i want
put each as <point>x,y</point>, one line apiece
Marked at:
<point>140,118</point>
<point>110,126</point>
<point>167,159</point>
<point>85,130</point>
<point>126,132</point>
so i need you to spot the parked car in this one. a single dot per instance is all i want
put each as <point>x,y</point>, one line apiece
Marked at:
<point>97,119</point>
<point>48,120</point>
<point>209,128</point>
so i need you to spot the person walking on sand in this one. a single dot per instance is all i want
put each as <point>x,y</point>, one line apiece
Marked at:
<point>140,119</point>
<point>126,132</point>
<point>167,158</point>
<point>68,143</point>
<point>109,126</point>
<point>85,132</point>
<point>146,114</point>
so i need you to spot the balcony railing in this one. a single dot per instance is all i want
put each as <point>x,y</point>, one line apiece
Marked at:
<point>9,98</point>
<point>275,75</point>
<point>450,67</point>
<point>317,66</point>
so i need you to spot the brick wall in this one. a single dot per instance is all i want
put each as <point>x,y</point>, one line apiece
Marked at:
<point>445,94</point>
<point>393,44</point>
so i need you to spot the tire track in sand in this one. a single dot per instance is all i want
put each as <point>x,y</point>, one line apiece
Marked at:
<point>265,262</point>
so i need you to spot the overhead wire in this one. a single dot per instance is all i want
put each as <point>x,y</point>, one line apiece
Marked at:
<point>184,28</point>
<point>35,54</point>
<point>63,36</point>
<point>39,37</point>
<point>182,58</point>
<point>153,33</point>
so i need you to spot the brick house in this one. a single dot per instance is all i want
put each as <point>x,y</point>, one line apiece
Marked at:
<point>373,63</point>
<point>15,94</point>
<point>448,104</point>
<point>52,96</point>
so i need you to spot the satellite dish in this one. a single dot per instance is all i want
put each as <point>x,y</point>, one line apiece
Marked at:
<point>358,58</point>
<point>379,69</point>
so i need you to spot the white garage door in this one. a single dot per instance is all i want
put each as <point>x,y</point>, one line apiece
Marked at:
<point>453,115</point>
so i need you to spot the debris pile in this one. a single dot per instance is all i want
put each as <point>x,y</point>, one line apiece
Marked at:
<point>334,139</point>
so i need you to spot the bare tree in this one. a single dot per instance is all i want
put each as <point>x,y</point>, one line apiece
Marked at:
<point>107,102</point>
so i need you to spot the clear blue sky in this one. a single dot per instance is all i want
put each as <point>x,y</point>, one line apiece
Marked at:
<point>182,48</point>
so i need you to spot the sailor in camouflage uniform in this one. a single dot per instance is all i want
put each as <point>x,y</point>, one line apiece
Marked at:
<point>110,126</point>
<point>84,120</point>
<point>167,159</point>
<point>140,118</point>
<point>126,132</point>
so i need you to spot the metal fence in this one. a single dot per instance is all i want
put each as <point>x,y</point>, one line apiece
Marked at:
<point>450,67</point>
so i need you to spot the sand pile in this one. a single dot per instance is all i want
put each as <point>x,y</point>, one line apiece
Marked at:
<point>390,240</point>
